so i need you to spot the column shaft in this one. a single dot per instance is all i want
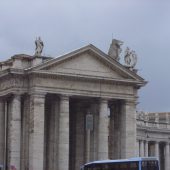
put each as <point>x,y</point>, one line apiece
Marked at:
<point>63,150</point>
<point>137,148</point>
<point>146,148</point>
<point>141,148</point>
<point>2,131</point>
<point>167,157</point>
<point>36,142</point>
<point>128,129</point>
<point>157,149</point>
<point>14,137</point>
<point>103,131</point>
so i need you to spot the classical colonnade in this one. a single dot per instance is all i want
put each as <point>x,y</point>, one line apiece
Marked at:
<point>153,132</point>
<point>25,128</point>
<point>161,150</point>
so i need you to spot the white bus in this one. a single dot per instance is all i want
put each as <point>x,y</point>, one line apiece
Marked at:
<point>148,163</point>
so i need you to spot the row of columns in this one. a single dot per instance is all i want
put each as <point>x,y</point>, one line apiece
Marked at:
<point>143,151</point>
<point>10,139</point>
<point>36,131</point>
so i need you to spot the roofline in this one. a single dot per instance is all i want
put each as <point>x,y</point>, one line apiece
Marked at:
<point>97,51</point>
<point>122,160</point>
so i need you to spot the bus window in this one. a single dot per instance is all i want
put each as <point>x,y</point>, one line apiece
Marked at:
<point>149,165</point>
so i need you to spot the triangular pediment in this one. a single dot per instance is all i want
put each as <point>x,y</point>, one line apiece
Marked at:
<point>85,64</point>
<point>88,61</point>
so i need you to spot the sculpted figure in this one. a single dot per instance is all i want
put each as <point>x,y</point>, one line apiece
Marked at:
<point>130,58</point>
<point>134,58</point>
<point>127,57</point>
<point>39,46</point>
<point>115,49</point>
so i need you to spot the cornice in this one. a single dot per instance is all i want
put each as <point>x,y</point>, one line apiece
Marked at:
<point>10,71</point>
<point>155,130</point>
<point>43,73</point>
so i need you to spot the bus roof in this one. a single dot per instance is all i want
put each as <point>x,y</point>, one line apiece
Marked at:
<point>122,160</point>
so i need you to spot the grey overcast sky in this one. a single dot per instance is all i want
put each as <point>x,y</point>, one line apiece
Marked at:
<point>65,25</point>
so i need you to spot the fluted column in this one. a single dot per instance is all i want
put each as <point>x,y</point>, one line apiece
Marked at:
<point>146,148</point>
<point>14,136</point>
<point>103,131</point>
<point>63,145</point>
<point>128,129</point>
<point>167,157</point>
<point>141,148</point>
<point>36,142</point>
<point>157,149</point>
<point>2,130</point>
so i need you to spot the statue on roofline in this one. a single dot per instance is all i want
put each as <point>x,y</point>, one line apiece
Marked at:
<point>130,58</point>
<point>115,49</point>
<point>39,46</point>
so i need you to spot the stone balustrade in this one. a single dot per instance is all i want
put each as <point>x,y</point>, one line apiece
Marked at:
<point>153,120</point>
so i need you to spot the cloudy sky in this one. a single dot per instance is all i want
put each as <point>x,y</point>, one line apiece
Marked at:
<point>65,25</point>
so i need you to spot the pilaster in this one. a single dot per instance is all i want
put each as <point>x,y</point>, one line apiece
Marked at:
<point>103,130</point>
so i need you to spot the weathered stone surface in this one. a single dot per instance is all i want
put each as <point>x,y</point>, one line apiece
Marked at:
<point>47,124</point>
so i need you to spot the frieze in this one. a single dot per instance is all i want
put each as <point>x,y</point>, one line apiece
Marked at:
<point>8,83</point>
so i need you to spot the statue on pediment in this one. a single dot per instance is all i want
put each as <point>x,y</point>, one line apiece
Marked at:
<point>130,58</point>
<point>39,46</point>
<point>115,49</point>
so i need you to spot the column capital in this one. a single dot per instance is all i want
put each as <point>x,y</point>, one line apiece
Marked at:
<point>64,97</point>
<point>16,96</point>
<point>38,95</point>
<point>130,102</point>
<point>103,100</point>
<point>167,143</point>
<point>156,142</point>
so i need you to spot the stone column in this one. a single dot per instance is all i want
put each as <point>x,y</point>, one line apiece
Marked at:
<point>103,131</point>
<point>128,129</point>
<point>137,148</point>
<point>167,157</point>
<point>2,131</point>
<point>36,141</point>
<point>80,136</point>
<point>157,149</point>
<point>141,148</point>
<point>146,148</point>
<point>63,145</point>
<point>14,136</point>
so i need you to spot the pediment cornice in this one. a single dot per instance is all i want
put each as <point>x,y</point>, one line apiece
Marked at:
<point>119,68</point>
<point>42,73</point>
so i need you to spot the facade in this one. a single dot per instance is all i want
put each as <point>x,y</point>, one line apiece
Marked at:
<point>153,137</point>
<point>58,113</point>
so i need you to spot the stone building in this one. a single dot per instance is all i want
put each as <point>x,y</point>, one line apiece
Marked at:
<point>153,137</point>
<point>58,113</point>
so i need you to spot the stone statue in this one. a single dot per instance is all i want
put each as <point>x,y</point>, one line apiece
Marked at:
<point>130,58</point>
<point>39,46</point>
<point>115,49</point>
